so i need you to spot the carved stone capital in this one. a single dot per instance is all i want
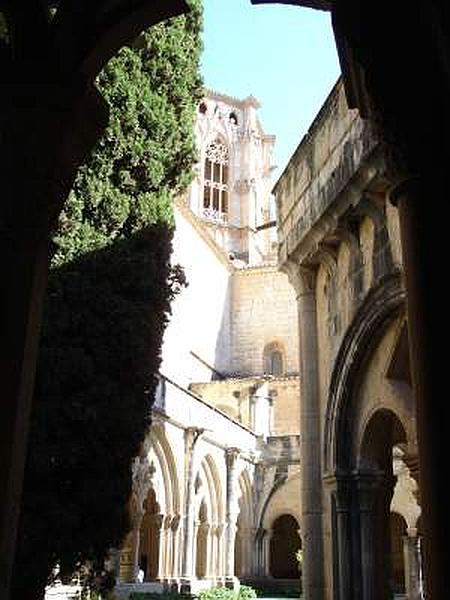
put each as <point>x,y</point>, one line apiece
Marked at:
<point>301,277</point>
<point>175,523</point>
<point>231,455</point>
<point>191,436</point>
<point>142,475</point>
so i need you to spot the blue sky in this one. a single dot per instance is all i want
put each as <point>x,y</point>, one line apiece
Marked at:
<point>285,56</point>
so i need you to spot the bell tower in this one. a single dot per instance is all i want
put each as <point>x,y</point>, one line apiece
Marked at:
<point>231,193</point>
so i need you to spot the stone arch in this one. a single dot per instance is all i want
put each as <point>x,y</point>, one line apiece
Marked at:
<point>280,502</point>
<point>158,531</point>
<point>244,540</point>
<point>375,487</point>
<point>159,445</point>
<point>382,429</point>
<point>209,514</point>
<point>285,541</point>
<point>382,305</point>
<point>215,489</point>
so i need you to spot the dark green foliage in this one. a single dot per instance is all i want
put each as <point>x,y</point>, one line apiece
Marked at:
<point>108,303</point>
<point>146,155</point>
<point>245,592</point>
<point>163,596</point>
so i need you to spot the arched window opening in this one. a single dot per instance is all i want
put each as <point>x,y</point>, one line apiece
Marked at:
<point>202,542</point>
<point>203,109</point>
<point>233,118</point>
<point>284,546</point>
<point>215,187</point>
<point>149,537</point>
<point>273,360</point>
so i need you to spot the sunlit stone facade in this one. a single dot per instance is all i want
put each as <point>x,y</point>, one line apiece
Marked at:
<point>217,485</point>
<point>340,244</point>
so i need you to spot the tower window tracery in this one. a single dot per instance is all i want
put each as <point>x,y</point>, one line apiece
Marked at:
<point>215,186</point>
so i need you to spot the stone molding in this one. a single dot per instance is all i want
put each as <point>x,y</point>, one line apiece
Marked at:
<point>381,305</point>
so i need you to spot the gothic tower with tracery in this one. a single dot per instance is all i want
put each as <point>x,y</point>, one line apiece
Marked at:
<point>232,189</point>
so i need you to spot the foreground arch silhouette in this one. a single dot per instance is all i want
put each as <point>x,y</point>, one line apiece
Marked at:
<point>52,105</point>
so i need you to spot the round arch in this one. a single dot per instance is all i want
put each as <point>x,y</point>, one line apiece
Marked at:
<point>280,502</point>
<point>285,542</point>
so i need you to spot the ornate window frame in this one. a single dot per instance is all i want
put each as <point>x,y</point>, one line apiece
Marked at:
<point>216,173</point>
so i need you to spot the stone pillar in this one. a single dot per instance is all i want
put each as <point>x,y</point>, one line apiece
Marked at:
<point>212,572</point>
<point>374,497</point>
<point>162,536</point>
<point>304,281</point>
<point>246,552</point>
<point>266,552</point>
<point>205,534</point>
<point>168,543</point>
<point>129,556</point>
<point>421,232</point>
<point>142,473</point>
<point>220,551</point>
<point>343,496</point>
<point>231,514</point>
<point>413,570</point>
<point>191,436</point>
<point>367,500</point>
<point>174,560</point>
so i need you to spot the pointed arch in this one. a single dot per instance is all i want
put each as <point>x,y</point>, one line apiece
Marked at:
<point>166,467</point>
<point>244,543</point>
<point>384,303</point>
<point>216,180</point>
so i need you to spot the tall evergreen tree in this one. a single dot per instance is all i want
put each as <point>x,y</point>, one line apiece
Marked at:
<point>108,303</point>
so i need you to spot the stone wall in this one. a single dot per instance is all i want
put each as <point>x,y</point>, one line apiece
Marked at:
<point>340,246</point>
<point>238,398</point>
<point>200,320</point>
<point>263,313</point>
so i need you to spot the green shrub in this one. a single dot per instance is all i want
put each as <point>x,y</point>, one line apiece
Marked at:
<point>154,596</point>
<point>217,593</point>
<point>246,592</point>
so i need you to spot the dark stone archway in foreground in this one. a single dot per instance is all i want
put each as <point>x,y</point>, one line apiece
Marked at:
<point>51,115</point>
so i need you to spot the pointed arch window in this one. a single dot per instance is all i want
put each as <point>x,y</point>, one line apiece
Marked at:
<point>215,182</point>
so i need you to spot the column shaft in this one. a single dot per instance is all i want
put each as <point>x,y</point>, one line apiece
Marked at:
<point>344,546</point>
<point>311,482</point>
<point>192,434</point>
<point>413,578</point>
<point>423,235</point>
<point>231,513</point>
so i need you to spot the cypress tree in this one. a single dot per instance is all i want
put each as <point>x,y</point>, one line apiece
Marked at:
<point>108,302</point>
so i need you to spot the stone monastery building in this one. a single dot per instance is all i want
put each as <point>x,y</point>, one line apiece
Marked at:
<point>247,461</point>
<point>217,492</point>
